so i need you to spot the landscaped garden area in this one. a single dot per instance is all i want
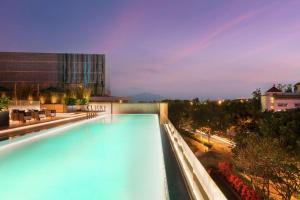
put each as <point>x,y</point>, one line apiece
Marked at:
<point>264,163</point>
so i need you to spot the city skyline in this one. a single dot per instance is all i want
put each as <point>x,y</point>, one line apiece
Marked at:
<point>203,49</point>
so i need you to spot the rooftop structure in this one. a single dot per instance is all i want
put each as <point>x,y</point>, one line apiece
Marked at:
<point>44,70</point>
<point>277,100</point>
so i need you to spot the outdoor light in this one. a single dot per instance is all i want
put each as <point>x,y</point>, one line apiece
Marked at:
<point>42,100</point>
<point>30,99</point>
<point>54,99</point>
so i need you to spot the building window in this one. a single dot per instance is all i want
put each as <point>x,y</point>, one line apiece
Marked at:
<point>282,104</point>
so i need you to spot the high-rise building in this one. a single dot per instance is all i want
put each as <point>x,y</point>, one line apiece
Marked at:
<point>43,70</point>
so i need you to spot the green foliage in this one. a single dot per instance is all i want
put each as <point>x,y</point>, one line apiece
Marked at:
<point>284,126</point>
<point>53,90</point>
<point>70,101</point>
<point>256,98</point>
<point>218,117</point>
<point>264,140</point>
<point>266,161</point>
<point>78,92</point>
<point>285,87</point>
<point>4,101</point>
<point>179,112</point>
<point>271,142</point>
<point>244,117</point>
<point>83,101</point>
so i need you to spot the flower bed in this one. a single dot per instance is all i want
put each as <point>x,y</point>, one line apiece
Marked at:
<point>245,192</point>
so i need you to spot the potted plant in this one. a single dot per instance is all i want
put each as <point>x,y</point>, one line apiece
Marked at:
<point>83,104</point>
<point>71,102</point>
<point>4,114</point>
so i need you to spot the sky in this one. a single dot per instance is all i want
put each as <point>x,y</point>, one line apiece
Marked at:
<point>209,49</point>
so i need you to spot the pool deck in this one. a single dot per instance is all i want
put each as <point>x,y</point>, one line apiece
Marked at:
<point>176,182</point>
<point>45,124</point>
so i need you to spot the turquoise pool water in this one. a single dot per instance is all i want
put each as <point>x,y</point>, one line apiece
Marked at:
<point>115,157</point>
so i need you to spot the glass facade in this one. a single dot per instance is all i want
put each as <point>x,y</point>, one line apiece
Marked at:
<point>53,70</point>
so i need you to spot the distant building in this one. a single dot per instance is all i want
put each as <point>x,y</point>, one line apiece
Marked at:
<point>60,70</point>
<point>276,100</point>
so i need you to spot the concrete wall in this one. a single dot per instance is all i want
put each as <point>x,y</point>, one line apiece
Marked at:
<point>97,107</point>
<point>142,108</point>
<point>135,108</point>
<point>164,113</point>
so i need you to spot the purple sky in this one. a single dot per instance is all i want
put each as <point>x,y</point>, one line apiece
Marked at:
<point>174,48</point>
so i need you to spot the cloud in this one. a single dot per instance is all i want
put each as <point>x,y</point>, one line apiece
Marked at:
<point>205,41</point>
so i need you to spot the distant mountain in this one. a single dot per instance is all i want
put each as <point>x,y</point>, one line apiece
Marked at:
<point>146,97</point>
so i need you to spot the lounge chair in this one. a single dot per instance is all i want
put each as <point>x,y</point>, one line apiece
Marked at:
<point>42,115</point>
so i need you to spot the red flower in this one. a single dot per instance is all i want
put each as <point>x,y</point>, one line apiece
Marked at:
<point>245,192</point>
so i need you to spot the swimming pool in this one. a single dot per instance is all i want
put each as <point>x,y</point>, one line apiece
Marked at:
<point>113,157</point>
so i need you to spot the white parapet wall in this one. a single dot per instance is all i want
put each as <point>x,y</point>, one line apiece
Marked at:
<point>200,184</point>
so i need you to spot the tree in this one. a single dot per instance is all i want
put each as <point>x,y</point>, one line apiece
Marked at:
<point>285,127</point>
<point>180,112</point>
<point>253,160</point>
<point>285,87</point>
<point>286,179</point>
<point>265,161</point>
<point>256,98</point>
<point>289,88</point>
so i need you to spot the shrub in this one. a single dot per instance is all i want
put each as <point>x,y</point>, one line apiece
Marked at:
<point>245,192</point>
<point>83,101</point>
<point>225,168</point>
<point>71,101</point>
<point>4,101</point>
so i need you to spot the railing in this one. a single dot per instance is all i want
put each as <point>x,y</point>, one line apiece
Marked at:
<point>199,182</point>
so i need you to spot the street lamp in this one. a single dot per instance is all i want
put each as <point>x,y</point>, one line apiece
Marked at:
<point>220,102</point>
